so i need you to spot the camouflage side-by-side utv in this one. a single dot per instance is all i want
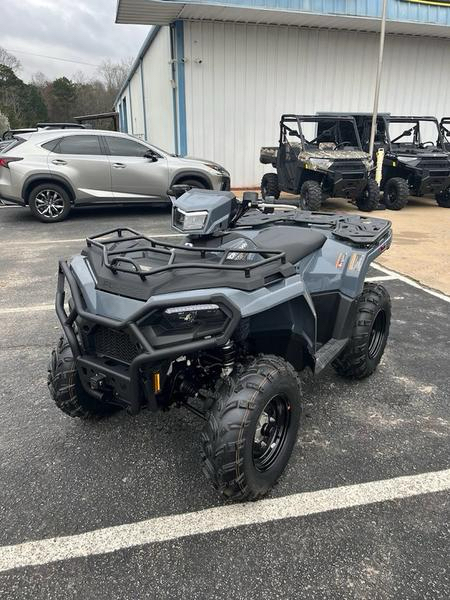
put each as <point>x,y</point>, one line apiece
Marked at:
<point>318,157</point>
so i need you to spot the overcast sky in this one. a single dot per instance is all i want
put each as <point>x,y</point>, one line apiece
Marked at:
<point>78,30</point>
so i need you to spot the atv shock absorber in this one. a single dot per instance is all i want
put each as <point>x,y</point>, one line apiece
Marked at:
<point>228,358</point>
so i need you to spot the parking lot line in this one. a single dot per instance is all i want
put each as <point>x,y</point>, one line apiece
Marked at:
<point>73,240</point>
<point>27,309</point>
<point>381,278</point>
<point>411,282</point>
<point>161,529</point>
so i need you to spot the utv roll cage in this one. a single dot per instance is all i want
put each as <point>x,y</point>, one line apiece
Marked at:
<point>444,129</point>
<point>285,130</point>
<point>382,133</point>
<point>416,128</point>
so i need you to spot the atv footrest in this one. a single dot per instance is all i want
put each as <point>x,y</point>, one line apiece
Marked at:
<point>329,352</point>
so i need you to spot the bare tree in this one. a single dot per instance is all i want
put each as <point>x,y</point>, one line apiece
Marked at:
<point>40,80</point>
<point>9,60</point>
<point>4,123</point>
<point>114,74</point>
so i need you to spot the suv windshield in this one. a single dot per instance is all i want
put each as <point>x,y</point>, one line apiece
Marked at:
<point>316,133</point>
<point>410,134</point>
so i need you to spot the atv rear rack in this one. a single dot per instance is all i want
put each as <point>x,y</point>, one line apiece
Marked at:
<point>361,231</point>
<point>113,257</point>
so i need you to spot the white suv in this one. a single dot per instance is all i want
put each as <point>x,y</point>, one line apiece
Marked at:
<point>52,171</point>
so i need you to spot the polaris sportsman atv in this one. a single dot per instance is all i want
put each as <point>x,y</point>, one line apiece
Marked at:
<point>324,159</point>
<point>221,324</point>
<point>415,161</point>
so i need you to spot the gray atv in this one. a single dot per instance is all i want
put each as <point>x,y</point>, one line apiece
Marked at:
<point>221,324</point>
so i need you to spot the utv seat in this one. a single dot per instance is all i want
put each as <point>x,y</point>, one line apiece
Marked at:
<point>295,242</point>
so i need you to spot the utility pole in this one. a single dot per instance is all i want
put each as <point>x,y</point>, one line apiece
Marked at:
<point>377,83</point>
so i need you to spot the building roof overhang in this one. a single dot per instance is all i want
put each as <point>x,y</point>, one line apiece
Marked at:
<point>164,12</point>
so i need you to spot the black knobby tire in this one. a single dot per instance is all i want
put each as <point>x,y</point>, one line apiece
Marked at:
<point>270,186</point>
<point>242,457</point>
<point>58,202</point>
<point>362,354</point>
<point>396,192</point>
<point>66,389</point>
<point>311,196</point>
<point>370,198</point>
<point>443,198</point>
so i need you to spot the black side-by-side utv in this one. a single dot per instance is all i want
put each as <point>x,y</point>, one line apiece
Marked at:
<point>415,161</point>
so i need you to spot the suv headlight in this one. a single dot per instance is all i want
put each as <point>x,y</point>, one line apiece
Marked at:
<point>319,163</point>
<point>189,221</point>
<point>217,168</point>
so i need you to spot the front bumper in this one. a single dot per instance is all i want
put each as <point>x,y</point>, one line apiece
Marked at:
<point>349,184</point>
<point>125,378</point>
<point>430,181</point>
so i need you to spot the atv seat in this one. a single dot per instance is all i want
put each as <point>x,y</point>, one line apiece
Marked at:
<point>295,242</point>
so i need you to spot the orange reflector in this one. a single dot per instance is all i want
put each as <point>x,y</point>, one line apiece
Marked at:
<point>156,383</point>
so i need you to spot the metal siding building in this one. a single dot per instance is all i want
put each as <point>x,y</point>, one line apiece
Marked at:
<point>213,86</point>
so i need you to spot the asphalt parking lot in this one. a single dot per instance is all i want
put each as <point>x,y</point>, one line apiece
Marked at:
<point>92,495</point>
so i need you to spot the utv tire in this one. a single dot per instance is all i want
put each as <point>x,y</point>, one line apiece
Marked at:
<point>443,198</point>
<point>362,354</point>
<point>49,202</point>
<point>370,198</point>
<point>66,389</point>
<point>252,428</point>
<point>396,192</point>
<point>311,196</point>
<point>269,186</point>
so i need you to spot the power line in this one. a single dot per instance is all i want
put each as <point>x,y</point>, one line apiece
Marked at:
<point>77,62</point>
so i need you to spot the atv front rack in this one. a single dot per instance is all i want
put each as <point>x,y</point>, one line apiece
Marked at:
<point>361,231</point>
<point>113,257</point>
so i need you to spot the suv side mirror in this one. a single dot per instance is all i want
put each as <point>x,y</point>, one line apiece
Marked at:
<point>151,155</point>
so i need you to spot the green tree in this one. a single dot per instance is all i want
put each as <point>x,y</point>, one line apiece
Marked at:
<point>62,98</point>
<point>21,103</point>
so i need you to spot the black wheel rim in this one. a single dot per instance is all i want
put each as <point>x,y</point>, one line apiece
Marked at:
<point>271,432</point>
<point>304,200</point>
<point>391,196</point>
<point>377,334</point>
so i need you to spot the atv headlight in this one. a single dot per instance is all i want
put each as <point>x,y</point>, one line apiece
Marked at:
<point>319,163</point>
<point>177,323</point>
<point>188,314</point>
<point>189,221</point>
